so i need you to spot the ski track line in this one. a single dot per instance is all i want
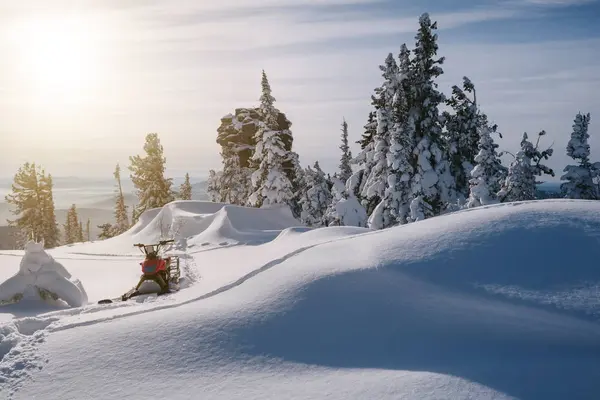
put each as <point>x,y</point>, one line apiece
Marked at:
<point>213,293</point>
<point>224,288</point>
<point>19,353</point>
<point>91,256</point>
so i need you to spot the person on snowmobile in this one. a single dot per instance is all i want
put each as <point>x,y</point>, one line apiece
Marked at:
<point>154,268</point>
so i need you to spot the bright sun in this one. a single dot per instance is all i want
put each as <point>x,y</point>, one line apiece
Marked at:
<point>57,59</point>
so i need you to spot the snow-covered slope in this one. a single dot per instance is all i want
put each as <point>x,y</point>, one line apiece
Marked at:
<point>494,302</point>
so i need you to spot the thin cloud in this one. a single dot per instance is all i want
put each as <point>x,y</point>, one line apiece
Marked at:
<point>559,2</point>
<point>282,28</point>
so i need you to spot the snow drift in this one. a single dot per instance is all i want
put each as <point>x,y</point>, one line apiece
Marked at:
<point>197,223</point>
<point>495,302</point>
<point>40,276</point>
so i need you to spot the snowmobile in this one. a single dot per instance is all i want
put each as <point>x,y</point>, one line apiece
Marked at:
<point>160,275</point>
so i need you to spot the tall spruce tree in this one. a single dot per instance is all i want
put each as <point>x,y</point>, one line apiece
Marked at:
<point>71,226</point>
<point>374,187</point>
<point>463,127</point>
<point>26,198</point>
<point>33,205</point>
<point>87,230</point>
<point>270,183</point>
<point>520,184</point>
<point>394,206</point>
<point>364,161</point>
<point>345,167</point>
<point>185,190</point>
<point>80,232</point>
<point>432,184</point>
<point>148,176</point>
<point>121,217</point>
<point>369,132</point>
<point>580,178</point>
<point>51,232</point>
<point>298,186</point>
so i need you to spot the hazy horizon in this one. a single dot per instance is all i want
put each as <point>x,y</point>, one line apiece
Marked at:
<point>87,81</point>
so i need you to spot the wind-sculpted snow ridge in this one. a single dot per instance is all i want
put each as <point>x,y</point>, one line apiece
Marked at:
<point>343,313</point>
<point>198,224</point>
<point>245,225</point>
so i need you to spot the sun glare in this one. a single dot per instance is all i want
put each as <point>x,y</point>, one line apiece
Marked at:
<point>57,59</point>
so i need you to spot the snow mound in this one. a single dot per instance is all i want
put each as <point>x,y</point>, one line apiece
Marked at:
<point>236,224</point>
<point>40,276</point>
<point>400,313</point>
<point>197,223</point>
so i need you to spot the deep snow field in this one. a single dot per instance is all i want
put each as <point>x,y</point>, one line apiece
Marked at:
<point>491,303</point>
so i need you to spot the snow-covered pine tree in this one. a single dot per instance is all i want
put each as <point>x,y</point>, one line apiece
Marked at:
<point>153,188</point>
<point>345,167</point>
<point>298,186</point>
<point>375,184</point>
<point>185,190</point>
<point>463,127</point>
<point>306,213</point>
<point>121,217</point>
<point>213,186</point>
<point>234,180</point>
<point>369,132</point>
<point>432,184</point>
<point>270,183</point>
<point>580,178</point>
<point>87,230</point>
<point>344,209</point>
<point>394,206</point>
<point>316,197</point>
<point>488,171</point>
<point>520,184</point>
<point>364,161</point>
<point>71,226</point>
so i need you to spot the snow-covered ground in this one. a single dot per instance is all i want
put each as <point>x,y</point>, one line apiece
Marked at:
<point>495,302</point>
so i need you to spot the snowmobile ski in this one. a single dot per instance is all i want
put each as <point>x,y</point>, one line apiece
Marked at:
<point>132,293</point>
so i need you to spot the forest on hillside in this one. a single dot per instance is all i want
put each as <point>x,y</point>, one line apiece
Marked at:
<point>415,161</point>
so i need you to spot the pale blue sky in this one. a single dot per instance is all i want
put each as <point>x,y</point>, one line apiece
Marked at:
<point>81,83</point>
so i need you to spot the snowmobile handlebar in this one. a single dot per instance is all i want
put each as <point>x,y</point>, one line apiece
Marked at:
<point>161,243</point>
<point>152,248</point>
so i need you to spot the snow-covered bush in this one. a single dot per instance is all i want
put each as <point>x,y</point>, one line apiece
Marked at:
<point>520,184</point>
<point>488,171</point>
<point>40,276</point>
<point>345,209</point>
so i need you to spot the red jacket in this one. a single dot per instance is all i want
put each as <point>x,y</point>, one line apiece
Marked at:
<point>151,267</point>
